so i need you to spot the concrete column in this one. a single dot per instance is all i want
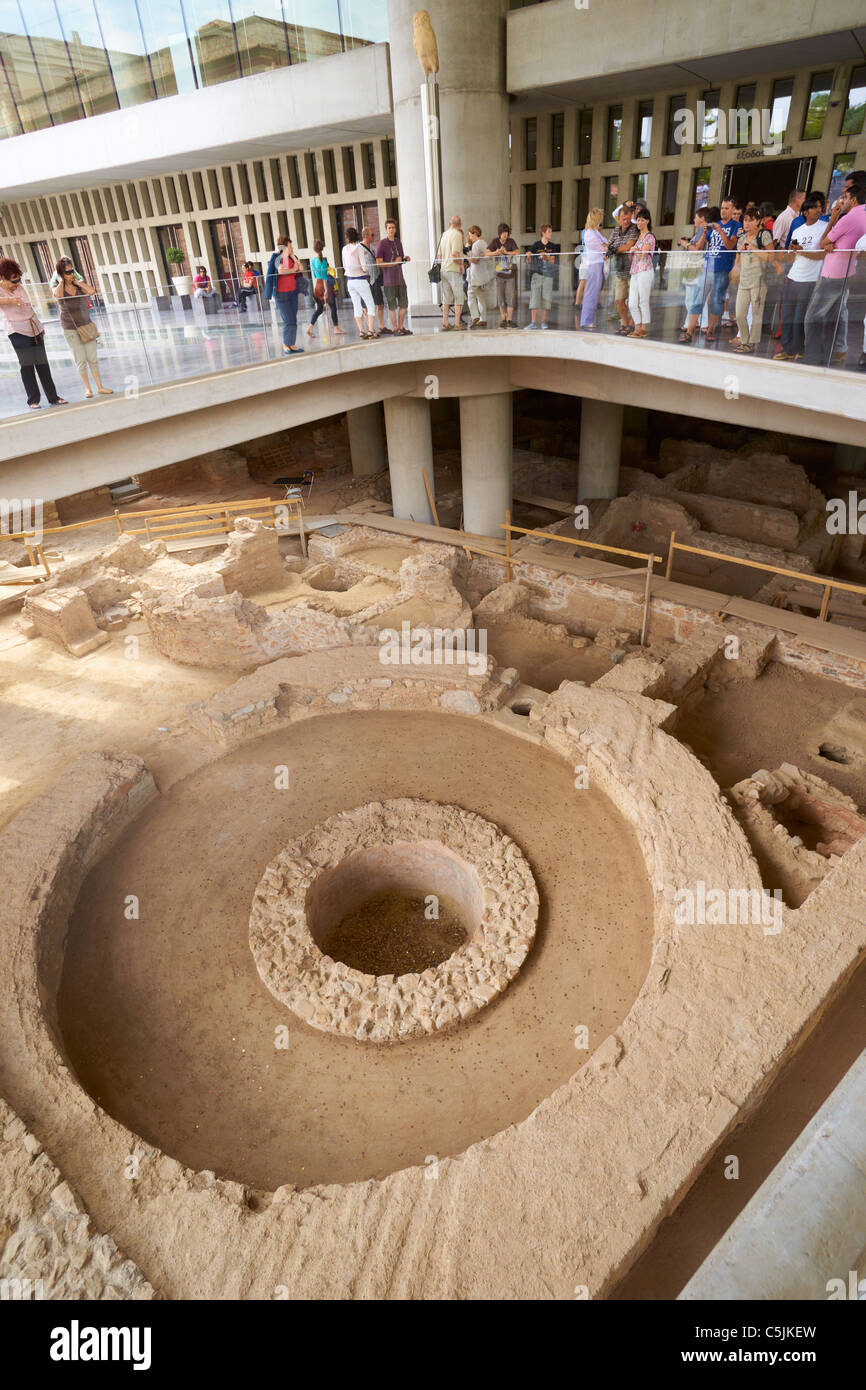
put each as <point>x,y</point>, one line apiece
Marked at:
<point>366,439</point>
<point>485,454</point>
<point>410,451</point>
<point>850,458</point>
<point>600,446</point>
<point>473,112</point>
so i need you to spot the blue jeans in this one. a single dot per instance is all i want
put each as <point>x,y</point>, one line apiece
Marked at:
<point>287,307</point>
<point>718,291</point>
<point>823,316</point>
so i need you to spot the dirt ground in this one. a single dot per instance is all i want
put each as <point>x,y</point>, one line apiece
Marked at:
<point>391,934</point>
<point>778,718</point>
<point>542,662</point>
<point>168,1024</point>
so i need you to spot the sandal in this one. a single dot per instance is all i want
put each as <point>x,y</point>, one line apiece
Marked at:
<point>686,337</point>
<point>743,347</point>
<point>711,335</point>
<point>36,406</point>
<point>59,401</point>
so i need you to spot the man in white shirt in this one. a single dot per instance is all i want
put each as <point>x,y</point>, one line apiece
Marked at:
<point>782,224</point>
<point>805,256</point>
<point>451,271</point>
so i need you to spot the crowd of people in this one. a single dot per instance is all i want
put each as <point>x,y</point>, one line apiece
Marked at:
<point>737,261</point>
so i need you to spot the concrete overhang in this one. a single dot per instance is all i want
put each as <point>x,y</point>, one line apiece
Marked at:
<point>558,53</point>
<point>330,100</point>
<point>56,454</point>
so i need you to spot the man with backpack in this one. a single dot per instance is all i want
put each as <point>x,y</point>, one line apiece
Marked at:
<point>374,275</point>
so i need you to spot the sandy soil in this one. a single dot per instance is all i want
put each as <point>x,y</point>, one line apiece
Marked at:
<point>391,935</point>
<point>352,600</point>
<point>389,557</point>
<point>740,730</point>
<point>167,1021</point>
<point>541,662</point>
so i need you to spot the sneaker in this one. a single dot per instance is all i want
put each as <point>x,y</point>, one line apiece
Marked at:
<point>529,327</point>
<point>545,325</point>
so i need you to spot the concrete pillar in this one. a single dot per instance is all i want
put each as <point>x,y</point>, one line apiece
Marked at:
<point>600,447</point>
<point>473,117</point>
<point>485,455</point>
<point>366,440</point>
<point>850,458</point>
<point>410,451</point>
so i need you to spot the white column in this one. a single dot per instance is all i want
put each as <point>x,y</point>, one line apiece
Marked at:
<point>485,456</point>
<point>366,439</point>
<point>600,447</point>
<point>473,126</point>
<point>410,451</point>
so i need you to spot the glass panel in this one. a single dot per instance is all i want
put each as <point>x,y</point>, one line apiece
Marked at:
<point>261,35</point>
<point>364,21</point>
<point>88,56</point>
<point>166,40</point>
<point>584,137</point>
<point>816,112</point>
<point>611,198</point>
<point>212,34</point>
<point>675,104</point>
<point>350,179</point>
<point>708,135</point>
<point>530,140</point>
<point>368,164</point>
<point>670,180</point>
<point>842,166</point>
<point>855,107</point>
<point>529,207</point>
<point>330,171</point>
<point>701,189</point>
<point>314,29</point>
<point>741,127</point>
<point>557,138</point>
<point>581,202</point>
<point>52,60</point>
<point>10,121</point>
<point>389,162</point>
<point>127,53</point>
<point>555,193</point>
<point>638,187</point>
<point>614,132</point>
<point>644,130</point>
<point>781,108</point>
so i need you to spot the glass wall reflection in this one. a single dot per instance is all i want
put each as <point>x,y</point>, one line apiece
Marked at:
<point>62,60</point>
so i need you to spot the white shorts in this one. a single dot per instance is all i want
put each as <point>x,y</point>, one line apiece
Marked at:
<point>361,295</point>
<point>452,287</point>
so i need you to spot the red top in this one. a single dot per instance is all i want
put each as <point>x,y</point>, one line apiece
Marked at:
<point>286,282</point>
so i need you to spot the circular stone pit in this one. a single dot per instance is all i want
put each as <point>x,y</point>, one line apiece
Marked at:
<point>404,847</point>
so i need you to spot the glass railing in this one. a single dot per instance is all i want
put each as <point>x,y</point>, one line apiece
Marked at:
<point>775,307</point>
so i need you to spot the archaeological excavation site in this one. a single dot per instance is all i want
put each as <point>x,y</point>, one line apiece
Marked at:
<point>419,890</point>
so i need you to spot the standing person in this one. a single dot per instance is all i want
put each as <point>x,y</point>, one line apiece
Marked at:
<point>642,271</point>
<point>450,254</point>
<point>768,217</point>
<point>694,276</point>
<point>248,289</point>
<point>323,292</point>
<point>481,273</point>
<point>374,275</point>
<point>753,262</point>
<point>805,257</point>
<point>624,237</point>
<point>203,287</point>
<point>358,284</point>
<point>503,248</point>
<point>846,226</point>
<point>391,257</point>
<point>541,258</point>
<point>721,250</point>
<point>594,248</point>
<point>281,285</point>
<point>800,219</point>
<point>27,336</point>
<point>782,224</point>
<point>79,330</point>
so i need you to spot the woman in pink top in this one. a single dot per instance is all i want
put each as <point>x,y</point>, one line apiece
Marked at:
<point>642,270</point>
<point>27,336</point>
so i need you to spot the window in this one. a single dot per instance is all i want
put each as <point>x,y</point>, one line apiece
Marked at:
<point>368,165</point>
<point>350,178</point>
<point>816,111</point>
<point>780,107</point>
<point>318,229</point>
<point>557,140</point>
<point>643,130</point>
<point>300,227</point>
<point>584,137</point>
<point>312,174</point>
<point>611,198</point>
<point>555,195</point>
<point>842,166</point>
<point>670,180</point>
<point>530,142</point>
<point>529,207</point>
<point>638,187</point>
<point>581,202</point>
<point>700,189</point>
<point>330,171</point>
<point>744,129</point>
<point>277,180</point>
<point>389,163</point>
<point>675,104</point>
<point>708,136</point>
<point>294,176</point>
<point>855,107</point>
<point>614,132</point>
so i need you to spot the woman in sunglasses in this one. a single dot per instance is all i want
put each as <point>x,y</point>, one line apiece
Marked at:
<point>79,330</point>
<point>27,336</point>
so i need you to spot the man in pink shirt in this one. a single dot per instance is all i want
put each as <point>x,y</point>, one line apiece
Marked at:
<point>846,226</point>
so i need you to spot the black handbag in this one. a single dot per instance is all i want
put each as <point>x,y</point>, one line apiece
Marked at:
<point>434,274</point>
<point>302,284</point>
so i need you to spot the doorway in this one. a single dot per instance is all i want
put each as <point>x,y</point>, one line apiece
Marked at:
<point>228,254</point>
<point>766,180</point>
<point>82,258</point>
<point>357,215</point>
<point>172,238</point>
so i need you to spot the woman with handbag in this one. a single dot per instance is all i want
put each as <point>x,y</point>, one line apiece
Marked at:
<point>323,290</point>
<point>27,336</point>
<point>79,330</point>
<point>282,279</point>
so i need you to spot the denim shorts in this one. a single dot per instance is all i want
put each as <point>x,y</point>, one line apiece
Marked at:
<point>718,290</point>
<point>541,292</point>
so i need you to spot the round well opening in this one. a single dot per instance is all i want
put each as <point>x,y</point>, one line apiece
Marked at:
<point>522,707</point>
<point>395,909</point>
